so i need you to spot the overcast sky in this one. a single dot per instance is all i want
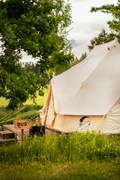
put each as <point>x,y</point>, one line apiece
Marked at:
<point>87,25</point>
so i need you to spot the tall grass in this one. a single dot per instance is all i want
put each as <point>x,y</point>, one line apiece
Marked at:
<point>72,149</point>
<point>87,156</point>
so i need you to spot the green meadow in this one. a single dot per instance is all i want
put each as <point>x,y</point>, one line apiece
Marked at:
<point>39,100</point>
<point>29,109</point>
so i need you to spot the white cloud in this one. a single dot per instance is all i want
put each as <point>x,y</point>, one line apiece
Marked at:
<point>87,25</point>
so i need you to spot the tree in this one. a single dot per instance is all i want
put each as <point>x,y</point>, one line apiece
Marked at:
<point>31,67</point>
<point>16,84</point>
<point>103,37</point>
<point>114,24</point>
<point>37,27</point>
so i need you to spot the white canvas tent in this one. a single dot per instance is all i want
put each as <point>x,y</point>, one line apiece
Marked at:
<point>91,88</point>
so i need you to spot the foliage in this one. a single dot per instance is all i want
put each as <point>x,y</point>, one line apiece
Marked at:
<point>115,11</point>
<point>39,100</point>
<point>16,84</point>
<point>79,156</point>
<point>102,38</point>
<point>114,24</point>
<point>76,60</point>
<point>31,67</point>
<point>38,28</point>
<point>62,61</point>
<point>35,26</point>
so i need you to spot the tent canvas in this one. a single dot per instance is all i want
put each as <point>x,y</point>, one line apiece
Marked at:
<point>89,90</point>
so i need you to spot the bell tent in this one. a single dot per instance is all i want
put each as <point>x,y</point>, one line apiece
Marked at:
<point>86,97</point>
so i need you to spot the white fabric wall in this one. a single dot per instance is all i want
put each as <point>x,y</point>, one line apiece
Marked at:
<point>113,119</point>
<point>72,123</point>
<point>92,86</point>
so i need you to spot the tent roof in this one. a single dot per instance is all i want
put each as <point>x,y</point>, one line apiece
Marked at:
<point>92,86</point>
